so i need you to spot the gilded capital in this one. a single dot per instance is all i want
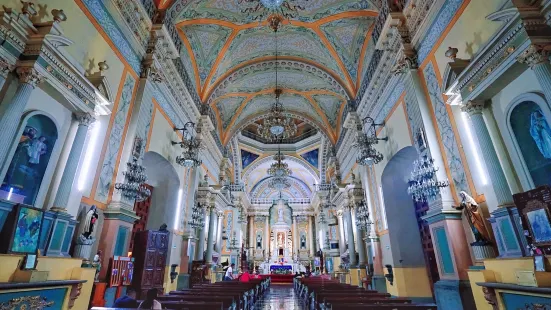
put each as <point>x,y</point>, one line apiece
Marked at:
<point>474,107</point>
<point>534,55</point>
<point>29,75</point>
<point>220,214</point>
<point>5,68</point>
<point>84,119</point>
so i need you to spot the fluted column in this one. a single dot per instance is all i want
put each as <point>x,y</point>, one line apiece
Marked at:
<point>210,237</point>
<point>295,237</point>
<point>29,78</point>
<point>538,59</point>
<point>267,236</point>
<point>201,239</point>
<point>342,244</point>
<point>219,229</point>
<point>350,231</point>
<point>486,147</point>
<point>70,171</point>
<point>361,246</point>
<point>311,235</point>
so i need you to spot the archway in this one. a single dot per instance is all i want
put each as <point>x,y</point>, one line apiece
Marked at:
<point>403,248</point>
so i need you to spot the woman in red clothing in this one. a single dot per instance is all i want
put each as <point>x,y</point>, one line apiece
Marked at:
<point>245,277</point>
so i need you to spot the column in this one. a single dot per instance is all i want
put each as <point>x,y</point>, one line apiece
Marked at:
<point>414,91</point>
<point>486,147</point>
<point>538,60</point>
<point>210,237</point>
<point>267,236</point>
<point>201,239</point>
<point>220,227</point>
<point>252,237</point>
<point>29,78</point>
<point>340,221</point>
<point>5,69</point>
<point>295,237</point>
<point>350,231</point>
<point>311,235</point>
<point>70,171</point>
<point>361,246</point>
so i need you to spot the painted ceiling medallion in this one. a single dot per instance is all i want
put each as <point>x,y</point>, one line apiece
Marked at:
<point>259,9</point>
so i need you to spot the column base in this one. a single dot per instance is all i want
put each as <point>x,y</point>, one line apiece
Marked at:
<point>454,294</point>
<point>508,232</point>
<point>182,281</point>
<point>379,283</point>
<point>57,233</point>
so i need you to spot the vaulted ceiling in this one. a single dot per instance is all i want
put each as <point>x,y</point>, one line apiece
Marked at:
<point>323,54</point>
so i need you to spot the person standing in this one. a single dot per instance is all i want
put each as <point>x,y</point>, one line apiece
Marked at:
<point>229,273</point>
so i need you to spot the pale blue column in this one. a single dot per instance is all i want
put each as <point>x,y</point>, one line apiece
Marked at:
<point>486,148</point>
<point>71,167</point>
<point>28,78</point>
<point>350,230</point>
<point>201,240</point>
<point>210,237</point>
<point>361,246</point>
<point>538,60</point>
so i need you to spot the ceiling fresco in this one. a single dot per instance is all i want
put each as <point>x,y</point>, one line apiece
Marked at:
<point>321,55</point>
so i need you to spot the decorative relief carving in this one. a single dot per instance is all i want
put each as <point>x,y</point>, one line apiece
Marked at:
<point>474,107</point>
<point>29,76</point>
<point>85,119</point>
<point>534,55</point>
<point>26,302</point>
<point>5,67</point>
<point>75,293</point>
<point>490,296</point>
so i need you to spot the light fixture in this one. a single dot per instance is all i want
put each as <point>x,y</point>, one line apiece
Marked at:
<point>279,172</point>
<point>134,188</point>
<point>259,9</point>
<point>276,125</point>
<point>233,243</point>
<point>366,141</point>
<point>322,219</point>
<point>423,185</point>
<point>326,202</point>
<point>190,146</point>
<point>362,216</point>
<point>197,219</point>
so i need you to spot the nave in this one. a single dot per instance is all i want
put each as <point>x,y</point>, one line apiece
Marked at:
<point>280,297</point>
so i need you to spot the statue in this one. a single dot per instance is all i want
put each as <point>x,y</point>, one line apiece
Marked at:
<point>280,215</point>
<point>258,241</point>
<point>302,241</point>
<point>541,133</point>
<point>97,263</point>
<point>90,222</point>
<point>476,221</point>
<point>280,239</point>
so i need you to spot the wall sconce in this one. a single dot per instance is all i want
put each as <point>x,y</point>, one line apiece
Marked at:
<point>365,142</point>
<point>390,275</point>
<point>191,146</point>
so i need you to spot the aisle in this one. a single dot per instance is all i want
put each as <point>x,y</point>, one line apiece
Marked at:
<point>279,297</point>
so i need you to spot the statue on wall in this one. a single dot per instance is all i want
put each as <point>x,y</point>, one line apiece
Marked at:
<point>90,222</point>
<point>280,215</point>
<point>476,220</point>
<point>541,133</point>
<point>303,241</point>
<point>258,241</point>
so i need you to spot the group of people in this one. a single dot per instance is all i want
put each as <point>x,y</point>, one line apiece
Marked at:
<point>243,276</point>
<point>129,300</point>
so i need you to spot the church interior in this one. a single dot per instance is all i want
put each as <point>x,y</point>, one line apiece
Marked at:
<point>275,154</point>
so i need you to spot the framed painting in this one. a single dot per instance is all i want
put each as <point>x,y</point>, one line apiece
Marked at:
<point>536,215</point>
<point>26,230</point>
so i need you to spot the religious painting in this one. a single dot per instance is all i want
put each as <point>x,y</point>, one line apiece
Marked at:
<point>538,221</point>
<point>312,157</point>
<point>26,230</point>
<point>30,160</point>
<point>247,158</point>
<point>533,135</point>
<point>259,240</point>
<point>281,239</point>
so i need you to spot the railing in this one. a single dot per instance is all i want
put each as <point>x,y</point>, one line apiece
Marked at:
<point>237,187</point>
<point>293,140</point>
<point>322,187</point>
<point>269,201</point>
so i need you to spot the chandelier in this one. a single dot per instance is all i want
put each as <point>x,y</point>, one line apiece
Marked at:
<point>197,219</point>
<point>134,188</point>
<point>233,243</point>
<point>190,146</point>
<point>276,125</point>
<point>279,172</point>
<point>362,216</point>
<point>326,202</point>
<point>322,219</point>
<point>423,185</point>
<point>259,9</point>
<point>366,141</point>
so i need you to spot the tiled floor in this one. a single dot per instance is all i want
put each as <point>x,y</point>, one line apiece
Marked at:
<point>280,297</point>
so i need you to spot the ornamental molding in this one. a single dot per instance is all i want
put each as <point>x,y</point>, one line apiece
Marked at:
<point>534,55</point>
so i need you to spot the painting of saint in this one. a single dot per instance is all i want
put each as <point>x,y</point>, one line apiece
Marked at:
<point>27,230</point>
<point>312,157</point>
<point>541,133</point>
<point>247,158</point>
<point>30,160</point>
<point>540,226</point>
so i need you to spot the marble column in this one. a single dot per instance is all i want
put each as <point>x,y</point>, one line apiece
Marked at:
<point>70,172</point>
<point>491,160</point>
<point>29,78</point>
<point>220,227</point>
<point>350,231</point>
<point>295,237</point>
<point>267,236</point>
<point>201,239</point>
<point>311,235</point>
<point>538,59</point>
<point>342,241</point>
<point>210,236</point>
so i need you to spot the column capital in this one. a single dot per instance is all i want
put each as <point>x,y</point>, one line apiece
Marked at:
<point>5,67</point>
<point>220,214</point>
<point>84,119</point>
<point>340,213</point>
<point>29,75</point>
<point>474,107</point>
<point>534,55</point>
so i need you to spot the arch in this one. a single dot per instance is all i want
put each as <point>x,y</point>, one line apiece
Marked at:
<point>270,158</point>
<point>403,232</point>
<point>516,150</point>
<point>27,173</point>
<point>298,184</point>
<point>162,175</point>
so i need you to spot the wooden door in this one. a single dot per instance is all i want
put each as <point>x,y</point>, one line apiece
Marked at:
<point>142,210</point>
<point>421,209</point>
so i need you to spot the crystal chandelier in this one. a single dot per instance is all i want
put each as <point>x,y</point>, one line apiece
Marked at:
<point>197,220</point>
<point>276,125</point>
<point>233,243</point>
<point>279,172</point>
<point>134,188</point>
<point>423,185</point>
<point>362,216</point>
<point>366,141</point>
<point>322,219</point>
<point>259,9</point>
<point>190,146</point>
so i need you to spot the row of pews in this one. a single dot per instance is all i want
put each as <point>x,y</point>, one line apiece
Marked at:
<point>325,294</point>
<point>228,295</point>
